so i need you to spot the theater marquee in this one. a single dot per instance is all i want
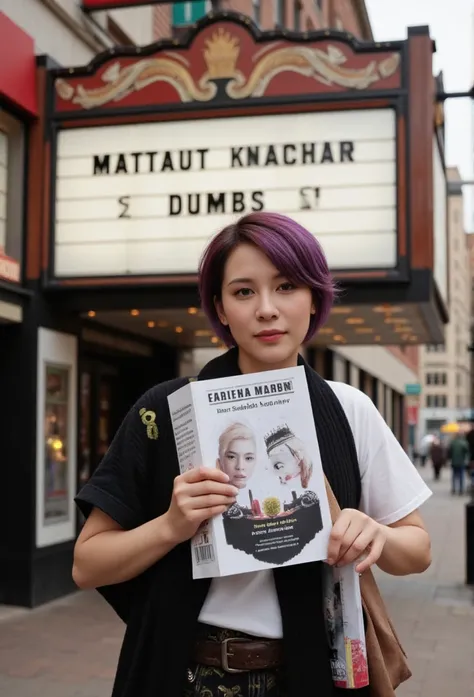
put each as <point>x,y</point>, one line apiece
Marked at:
<point>155,149</point>
<point>145,199</point>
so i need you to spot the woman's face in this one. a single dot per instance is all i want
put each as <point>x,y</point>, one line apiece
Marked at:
<point>284,464</point>
<point>238,461</point>
<point>267,315</point>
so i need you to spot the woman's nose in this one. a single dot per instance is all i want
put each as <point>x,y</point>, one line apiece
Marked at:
<point>266,308</point>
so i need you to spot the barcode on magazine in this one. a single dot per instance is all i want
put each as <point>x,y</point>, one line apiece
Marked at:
<point>204,554</point>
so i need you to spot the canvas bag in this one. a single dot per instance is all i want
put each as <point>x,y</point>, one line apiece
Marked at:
<point>387,661</point>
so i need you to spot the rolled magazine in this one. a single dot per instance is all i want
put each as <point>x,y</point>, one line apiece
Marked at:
<point>345,627</point>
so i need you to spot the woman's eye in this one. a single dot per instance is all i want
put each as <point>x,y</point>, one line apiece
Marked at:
<point>287,286</point>
<point>277,466</point>
<point>244,292</point>
<point>250,458</point>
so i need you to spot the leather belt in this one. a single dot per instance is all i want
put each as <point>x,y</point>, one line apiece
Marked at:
<point>239,655</point>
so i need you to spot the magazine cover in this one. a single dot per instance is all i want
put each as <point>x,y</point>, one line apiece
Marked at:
<point>259,429</point>
<point>345,626</point>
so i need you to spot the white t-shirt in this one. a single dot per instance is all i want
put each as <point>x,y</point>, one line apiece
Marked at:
<point>391,489</point>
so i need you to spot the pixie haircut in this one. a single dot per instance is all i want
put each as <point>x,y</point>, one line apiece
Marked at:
<point>293,250</point>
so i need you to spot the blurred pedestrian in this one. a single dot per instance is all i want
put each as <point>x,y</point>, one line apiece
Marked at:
<point>458,454</point>
<point>438,457</point>
<point>424,449</point>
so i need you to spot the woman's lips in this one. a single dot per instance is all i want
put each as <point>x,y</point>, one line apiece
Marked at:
<point>270,337</point>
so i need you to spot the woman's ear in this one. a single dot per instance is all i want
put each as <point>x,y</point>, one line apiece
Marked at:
<point>220,312</point>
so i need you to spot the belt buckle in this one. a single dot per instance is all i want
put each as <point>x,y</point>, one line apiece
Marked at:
<point>225,653</point>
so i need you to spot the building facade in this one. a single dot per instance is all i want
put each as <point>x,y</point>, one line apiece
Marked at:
<point>297,15</point>
<point>98,293</point>
<point>446,368</point>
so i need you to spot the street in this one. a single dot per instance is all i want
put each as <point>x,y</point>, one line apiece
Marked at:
<point>70,647</point>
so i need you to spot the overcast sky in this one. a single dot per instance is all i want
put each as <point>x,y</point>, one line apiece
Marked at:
<point>452,29</point>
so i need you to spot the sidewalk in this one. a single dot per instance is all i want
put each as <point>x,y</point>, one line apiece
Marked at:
<point>70,647</point>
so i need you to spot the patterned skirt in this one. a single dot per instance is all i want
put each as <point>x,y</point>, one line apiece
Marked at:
<point>204,681</point>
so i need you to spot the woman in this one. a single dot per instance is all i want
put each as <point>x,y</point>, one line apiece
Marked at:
<point>266,289</point>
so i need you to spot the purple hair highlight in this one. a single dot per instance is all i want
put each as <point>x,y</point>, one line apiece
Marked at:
<point>293,250</point>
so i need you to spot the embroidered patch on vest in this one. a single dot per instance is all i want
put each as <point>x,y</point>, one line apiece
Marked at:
<point>148,418</point>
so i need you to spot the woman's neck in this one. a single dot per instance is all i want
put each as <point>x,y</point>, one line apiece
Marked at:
<point>249,364</point>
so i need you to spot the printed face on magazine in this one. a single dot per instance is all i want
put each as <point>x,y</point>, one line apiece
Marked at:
<point>267,314</point>
<point>284,464</point>
<point>238,461</point>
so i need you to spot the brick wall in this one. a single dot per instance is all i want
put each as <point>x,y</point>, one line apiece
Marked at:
<point>314,15</point>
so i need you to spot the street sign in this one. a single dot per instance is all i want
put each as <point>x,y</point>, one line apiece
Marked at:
<point>413,388</point>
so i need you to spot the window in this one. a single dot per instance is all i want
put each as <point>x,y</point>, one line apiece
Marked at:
<point>458,379</point>
<point>280,13</point>
<point>12,162</point>
<point>436,378</point>
<point>435,348</point>
<point>436,400</point>
<point>297,16</point>
<point>256,11</point>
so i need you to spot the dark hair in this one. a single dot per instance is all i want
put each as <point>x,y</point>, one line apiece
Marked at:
<point>293,250</point>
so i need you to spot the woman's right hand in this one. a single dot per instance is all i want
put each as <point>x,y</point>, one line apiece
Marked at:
<point>198,494</point>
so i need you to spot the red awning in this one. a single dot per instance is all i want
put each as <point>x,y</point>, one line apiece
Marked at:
<point>17,66</point>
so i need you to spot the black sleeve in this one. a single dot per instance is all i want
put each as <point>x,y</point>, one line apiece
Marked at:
<point>119,488</point>
<point>119,485</point>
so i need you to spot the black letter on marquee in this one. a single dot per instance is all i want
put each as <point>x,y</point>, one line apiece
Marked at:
<point>306,194</point>
<point>346,151</point>
<point>327,153</point>
<point>271,156</point>
<point>257,200</point>
<point>121,167</point>
<point>203,153</point>
<point>286,149</point>
<point>125,202</point>
<point>167,162</point>
<point>136,156</point>
<point>101,164</point>
<point>175,204</point>
<point>152,156</point>
<point>216,203</point>
<point>238,205</point>
<point>309,153</point>
<point>194,210</point>
<point>184,162</point>
<point>235,154</point>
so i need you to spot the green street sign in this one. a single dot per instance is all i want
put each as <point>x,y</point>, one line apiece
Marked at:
<point>413,389</point>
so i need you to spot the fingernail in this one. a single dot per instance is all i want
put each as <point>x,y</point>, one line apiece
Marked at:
<point>330,561</point>
<point>235,491</point>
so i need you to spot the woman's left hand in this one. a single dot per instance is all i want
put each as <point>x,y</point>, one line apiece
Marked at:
<point>356,536</point>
